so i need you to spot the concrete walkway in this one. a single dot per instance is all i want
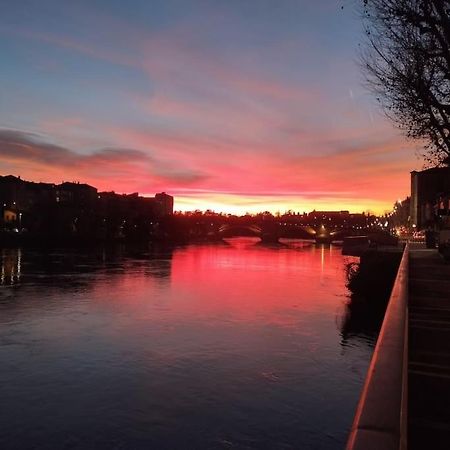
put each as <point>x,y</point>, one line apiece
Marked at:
<point>429,351</point>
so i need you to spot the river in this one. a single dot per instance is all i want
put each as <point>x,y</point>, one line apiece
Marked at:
<point>234,345</point>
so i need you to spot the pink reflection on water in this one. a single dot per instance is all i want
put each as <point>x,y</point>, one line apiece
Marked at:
<point>239,281</point>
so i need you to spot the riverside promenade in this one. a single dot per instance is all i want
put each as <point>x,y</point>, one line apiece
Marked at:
<point>405,402</point>
<point>429,351</point>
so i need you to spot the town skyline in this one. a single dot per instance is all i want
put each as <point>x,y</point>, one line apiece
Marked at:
<point>207,209</point>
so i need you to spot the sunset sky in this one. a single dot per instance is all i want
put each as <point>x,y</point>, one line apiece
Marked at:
<point>237,105</point>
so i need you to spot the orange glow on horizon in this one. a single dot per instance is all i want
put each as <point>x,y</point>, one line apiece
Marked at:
<point>234,204</point>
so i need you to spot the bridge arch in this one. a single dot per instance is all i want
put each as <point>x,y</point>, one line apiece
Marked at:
<point>228,230</point>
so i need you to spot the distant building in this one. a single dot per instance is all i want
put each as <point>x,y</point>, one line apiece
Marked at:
<point>430,190</point>
<point>76,194</point>
<point>22,195</point>
<point>342,219</point>
<point>164,204</point>
<point>328,215</point>
<point>12,192</point>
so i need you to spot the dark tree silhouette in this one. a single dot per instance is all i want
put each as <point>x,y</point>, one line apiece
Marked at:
<point>407,65</point>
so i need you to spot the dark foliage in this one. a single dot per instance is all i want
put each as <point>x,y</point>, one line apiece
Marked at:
<point>370,283</point>
<point>407,66</point>
<point>373,278</point>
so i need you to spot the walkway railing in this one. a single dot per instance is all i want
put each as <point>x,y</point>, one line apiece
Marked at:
<point>380,422</point>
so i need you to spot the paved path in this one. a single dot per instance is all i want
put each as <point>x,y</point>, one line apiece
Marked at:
<point>429,351</point>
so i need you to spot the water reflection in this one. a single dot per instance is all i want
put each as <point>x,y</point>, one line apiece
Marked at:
<point>45,266</point>
<point>11,266</point>
<point>208,346</point>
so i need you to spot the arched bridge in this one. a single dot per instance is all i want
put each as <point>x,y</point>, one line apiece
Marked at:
<point>272,232</point>
<point>234,230</point>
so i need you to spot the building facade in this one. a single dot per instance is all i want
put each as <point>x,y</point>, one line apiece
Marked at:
<point>78,209</point>
<point>430,189</point>
<point>165,204</point>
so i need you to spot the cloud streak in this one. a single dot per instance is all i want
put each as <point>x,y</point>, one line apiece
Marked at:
<point>120,168</point>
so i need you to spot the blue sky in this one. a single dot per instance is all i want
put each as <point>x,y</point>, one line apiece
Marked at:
<point>237,105</point>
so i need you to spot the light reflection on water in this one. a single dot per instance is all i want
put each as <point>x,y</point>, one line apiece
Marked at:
<point>231,345</point>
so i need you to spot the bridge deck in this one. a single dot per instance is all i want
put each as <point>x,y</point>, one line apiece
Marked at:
<point>429,351</point>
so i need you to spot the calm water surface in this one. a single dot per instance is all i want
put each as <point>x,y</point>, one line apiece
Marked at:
<point>221,346</point>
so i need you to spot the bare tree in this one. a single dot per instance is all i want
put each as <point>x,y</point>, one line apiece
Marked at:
<point>407,65</point>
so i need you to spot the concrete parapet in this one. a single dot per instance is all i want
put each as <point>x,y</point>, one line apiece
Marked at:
<point>380,419</point>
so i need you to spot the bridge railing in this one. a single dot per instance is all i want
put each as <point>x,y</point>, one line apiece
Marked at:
<point>381,417</point>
